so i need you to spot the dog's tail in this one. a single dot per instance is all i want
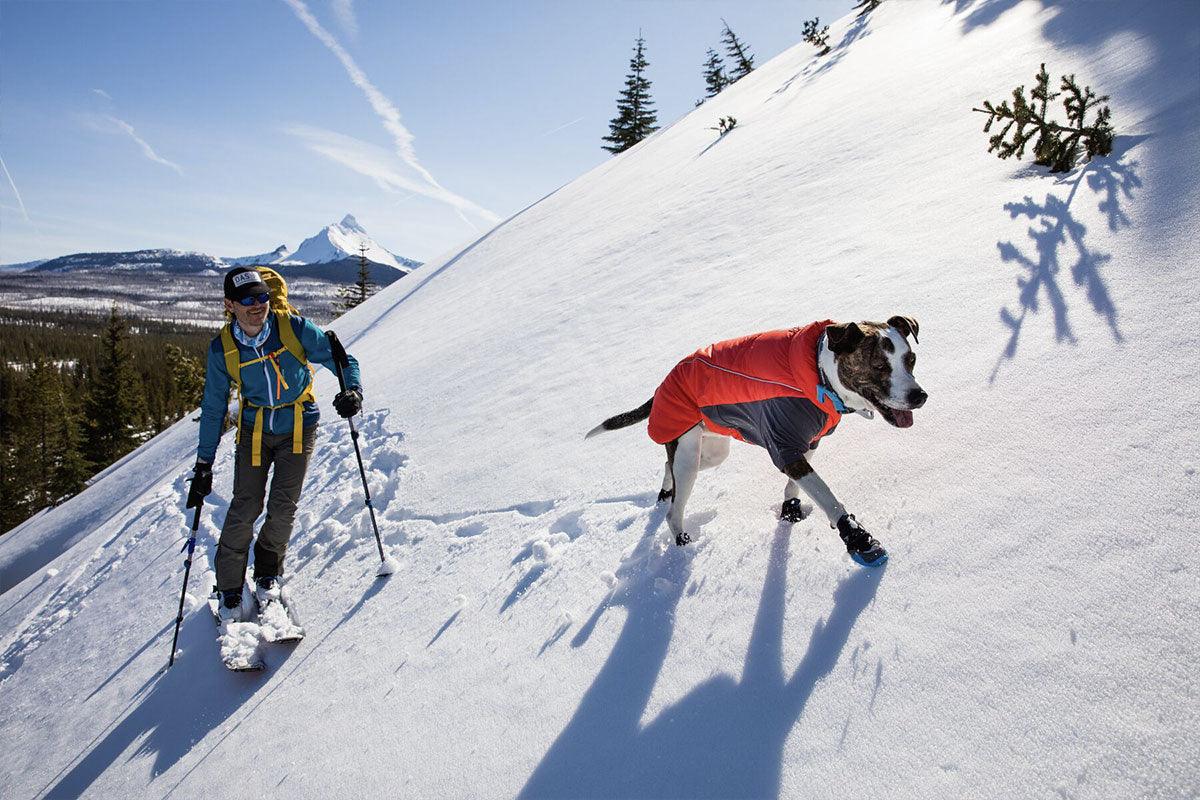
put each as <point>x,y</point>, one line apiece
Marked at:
<point>623,420</point>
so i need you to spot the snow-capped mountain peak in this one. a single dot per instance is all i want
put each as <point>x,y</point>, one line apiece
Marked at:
<point>342,240</point>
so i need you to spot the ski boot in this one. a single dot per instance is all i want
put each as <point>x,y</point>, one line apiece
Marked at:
<point>266,590</point>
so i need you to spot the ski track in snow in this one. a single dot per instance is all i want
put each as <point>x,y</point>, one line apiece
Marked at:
<point>332,524</point>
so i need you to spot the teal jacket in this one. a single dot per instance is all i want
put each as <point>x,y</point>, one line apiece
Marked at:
<point>261,385</point>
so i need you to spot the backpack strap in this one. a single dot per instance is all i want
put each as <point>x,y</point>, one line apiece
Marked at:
<point>287,335</point>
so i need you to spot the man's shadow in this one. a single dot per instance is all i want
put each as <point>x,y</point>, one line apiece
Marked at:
<point>171,712</point>
<point>1058,241</point>
<point>725,738</point>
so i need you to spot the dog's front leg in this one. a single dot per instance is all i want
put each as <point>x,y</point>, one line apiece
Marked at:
<point>802,476</point>
<point>861,546</point>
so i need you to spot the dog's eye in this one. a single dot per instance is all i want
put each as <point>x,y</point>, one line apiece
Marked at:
<point>910,361</point>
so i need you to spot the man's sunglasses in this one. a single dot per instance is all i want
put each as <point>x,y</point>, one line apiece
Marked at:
<point>255,298</point>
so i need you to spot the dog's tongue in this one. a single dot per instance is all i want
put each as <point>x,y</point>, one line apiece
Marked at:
<point>904,419</point>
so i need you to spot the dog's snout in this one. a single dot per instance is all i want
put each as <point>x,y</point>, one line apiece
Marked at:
<point>917,397</point>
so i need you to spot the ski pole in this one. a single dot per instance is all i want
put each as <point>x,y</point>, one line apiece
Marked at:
<point>341,360</point>
<point>190,547</point>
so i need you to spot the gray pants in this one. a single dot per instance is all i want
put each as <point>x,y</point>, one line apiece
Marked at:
<point>249,491</point>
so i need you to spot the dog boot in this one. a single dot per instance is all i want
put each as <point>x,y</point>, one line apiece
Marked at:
<point>861,545</point>
<point>792,511</point>
<point>682,539</point>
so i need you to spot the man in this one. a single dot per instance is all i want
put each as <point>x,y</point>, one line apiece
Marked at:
<point>277,425</point>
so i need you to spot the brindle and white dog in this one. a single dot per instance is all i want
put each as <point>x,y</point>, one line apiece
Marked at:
<point>789,388</point>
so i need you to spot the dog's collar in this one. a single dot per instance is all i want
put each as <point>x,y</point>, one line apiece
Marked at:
<point>824,387</point>
<point>823,391</point>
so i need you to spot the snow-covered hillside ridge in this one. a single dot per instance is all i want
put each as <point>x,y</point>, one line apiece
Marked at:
<point>1032,635</point>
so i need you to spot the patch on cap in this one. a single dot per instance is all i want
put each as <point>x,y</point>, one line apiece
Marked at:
<point>250,276</point>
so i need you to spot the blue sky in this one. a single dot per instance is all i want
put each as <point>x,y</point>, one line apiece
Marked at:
<point>234,126</point>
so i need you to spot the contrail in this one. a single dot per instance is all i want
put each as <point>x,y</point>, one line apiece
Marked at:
<point>559,128</point>
<point>344,9</point>
<point>383,107</point>
<point>147,150</point>
<point>13,184</point>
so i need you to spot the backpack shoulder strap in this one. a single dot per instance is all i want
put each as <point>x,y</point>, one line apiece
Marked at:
<point>233,360</point>
<point>287,335</point>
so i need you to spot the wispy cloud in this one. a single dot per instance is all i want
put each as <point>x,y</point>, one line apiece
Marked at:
<point>388,115</point>
<point>13,184</point>
<point>389,171</point>
<point>103,94</point>
<point>147,150</point>
<point>344,11</point>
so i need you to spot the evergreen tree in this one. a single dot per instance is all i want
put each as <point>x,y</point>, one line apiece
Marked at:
<point>187,374</point>
<point>356,294</point>
<point>16,473</point>
<point>57,464</point>
<point>71,467</point>
<point>636,116</point>
<point>867,6</point>
<point>817,36</point>
<point>715,78</point>
<point>1056,146</point>
<point>739,55</point>
<point>116,405</point>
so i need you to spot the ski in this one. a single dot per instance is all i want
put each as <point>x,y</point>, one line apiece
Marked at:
<point>240,641</point>
<point>278,620</point>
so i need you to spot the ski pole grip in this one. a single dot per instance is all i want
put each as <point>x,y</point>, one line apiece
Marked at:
<point>340,359</point>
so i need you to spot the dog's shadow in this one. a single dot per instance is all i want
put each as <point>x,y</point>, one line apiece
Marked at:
<point>726,737</point>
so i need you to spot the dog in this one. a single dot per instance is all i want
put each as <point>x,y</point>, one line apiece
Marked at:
<point>784,391</point>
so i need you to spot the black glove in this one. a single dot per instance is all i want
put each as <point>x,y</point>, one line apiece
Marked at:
<point>201,484</point>
<point>348,403</point>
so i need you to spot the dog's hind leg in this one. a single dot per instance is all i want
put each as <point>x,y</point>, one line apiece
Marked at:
<point>684,465</point>
<point>714,449</point>
<point>668,485</point>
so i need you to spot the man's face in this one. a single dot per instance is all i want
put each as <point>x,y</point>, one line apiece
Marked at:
<point>249,318</point>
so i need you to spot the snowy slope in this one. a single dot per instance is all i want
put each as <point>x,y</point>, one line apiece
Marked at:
<point>1033,636</point>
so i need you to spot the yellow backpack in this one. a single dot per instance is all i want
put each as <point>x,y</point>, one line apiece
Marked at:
<point>287,336</point>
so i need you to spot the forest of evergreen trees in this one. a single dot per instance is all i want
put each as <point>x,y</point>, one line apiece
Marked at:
<point>78,391</point>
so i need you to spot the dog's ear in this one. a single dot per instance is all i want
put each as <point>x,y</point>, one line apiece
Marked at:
<point>907,326</point>
<point>843,338</point>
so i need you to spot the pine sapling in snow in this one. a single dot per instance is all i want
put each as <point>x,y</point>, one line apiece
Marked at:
<point>724,125</point>
<point>817,36</point>
<point>1055,145</point>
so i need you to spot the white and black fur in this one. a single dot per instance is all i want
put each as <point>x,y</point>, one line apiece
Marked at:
<point>869,365</point>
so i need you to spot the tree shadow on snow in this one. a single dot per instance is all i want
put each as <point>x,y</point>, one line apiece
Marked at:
<point>1058,239</point>
<point>173,712</point>
<point>725,738</point>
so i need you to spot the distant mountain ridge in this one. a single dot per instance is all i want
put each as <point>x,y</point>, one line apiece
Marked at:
<point>330,255</point>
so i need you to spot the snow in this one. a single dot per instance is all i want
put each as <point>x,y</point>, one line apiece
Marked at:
<point>1033,634</point>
